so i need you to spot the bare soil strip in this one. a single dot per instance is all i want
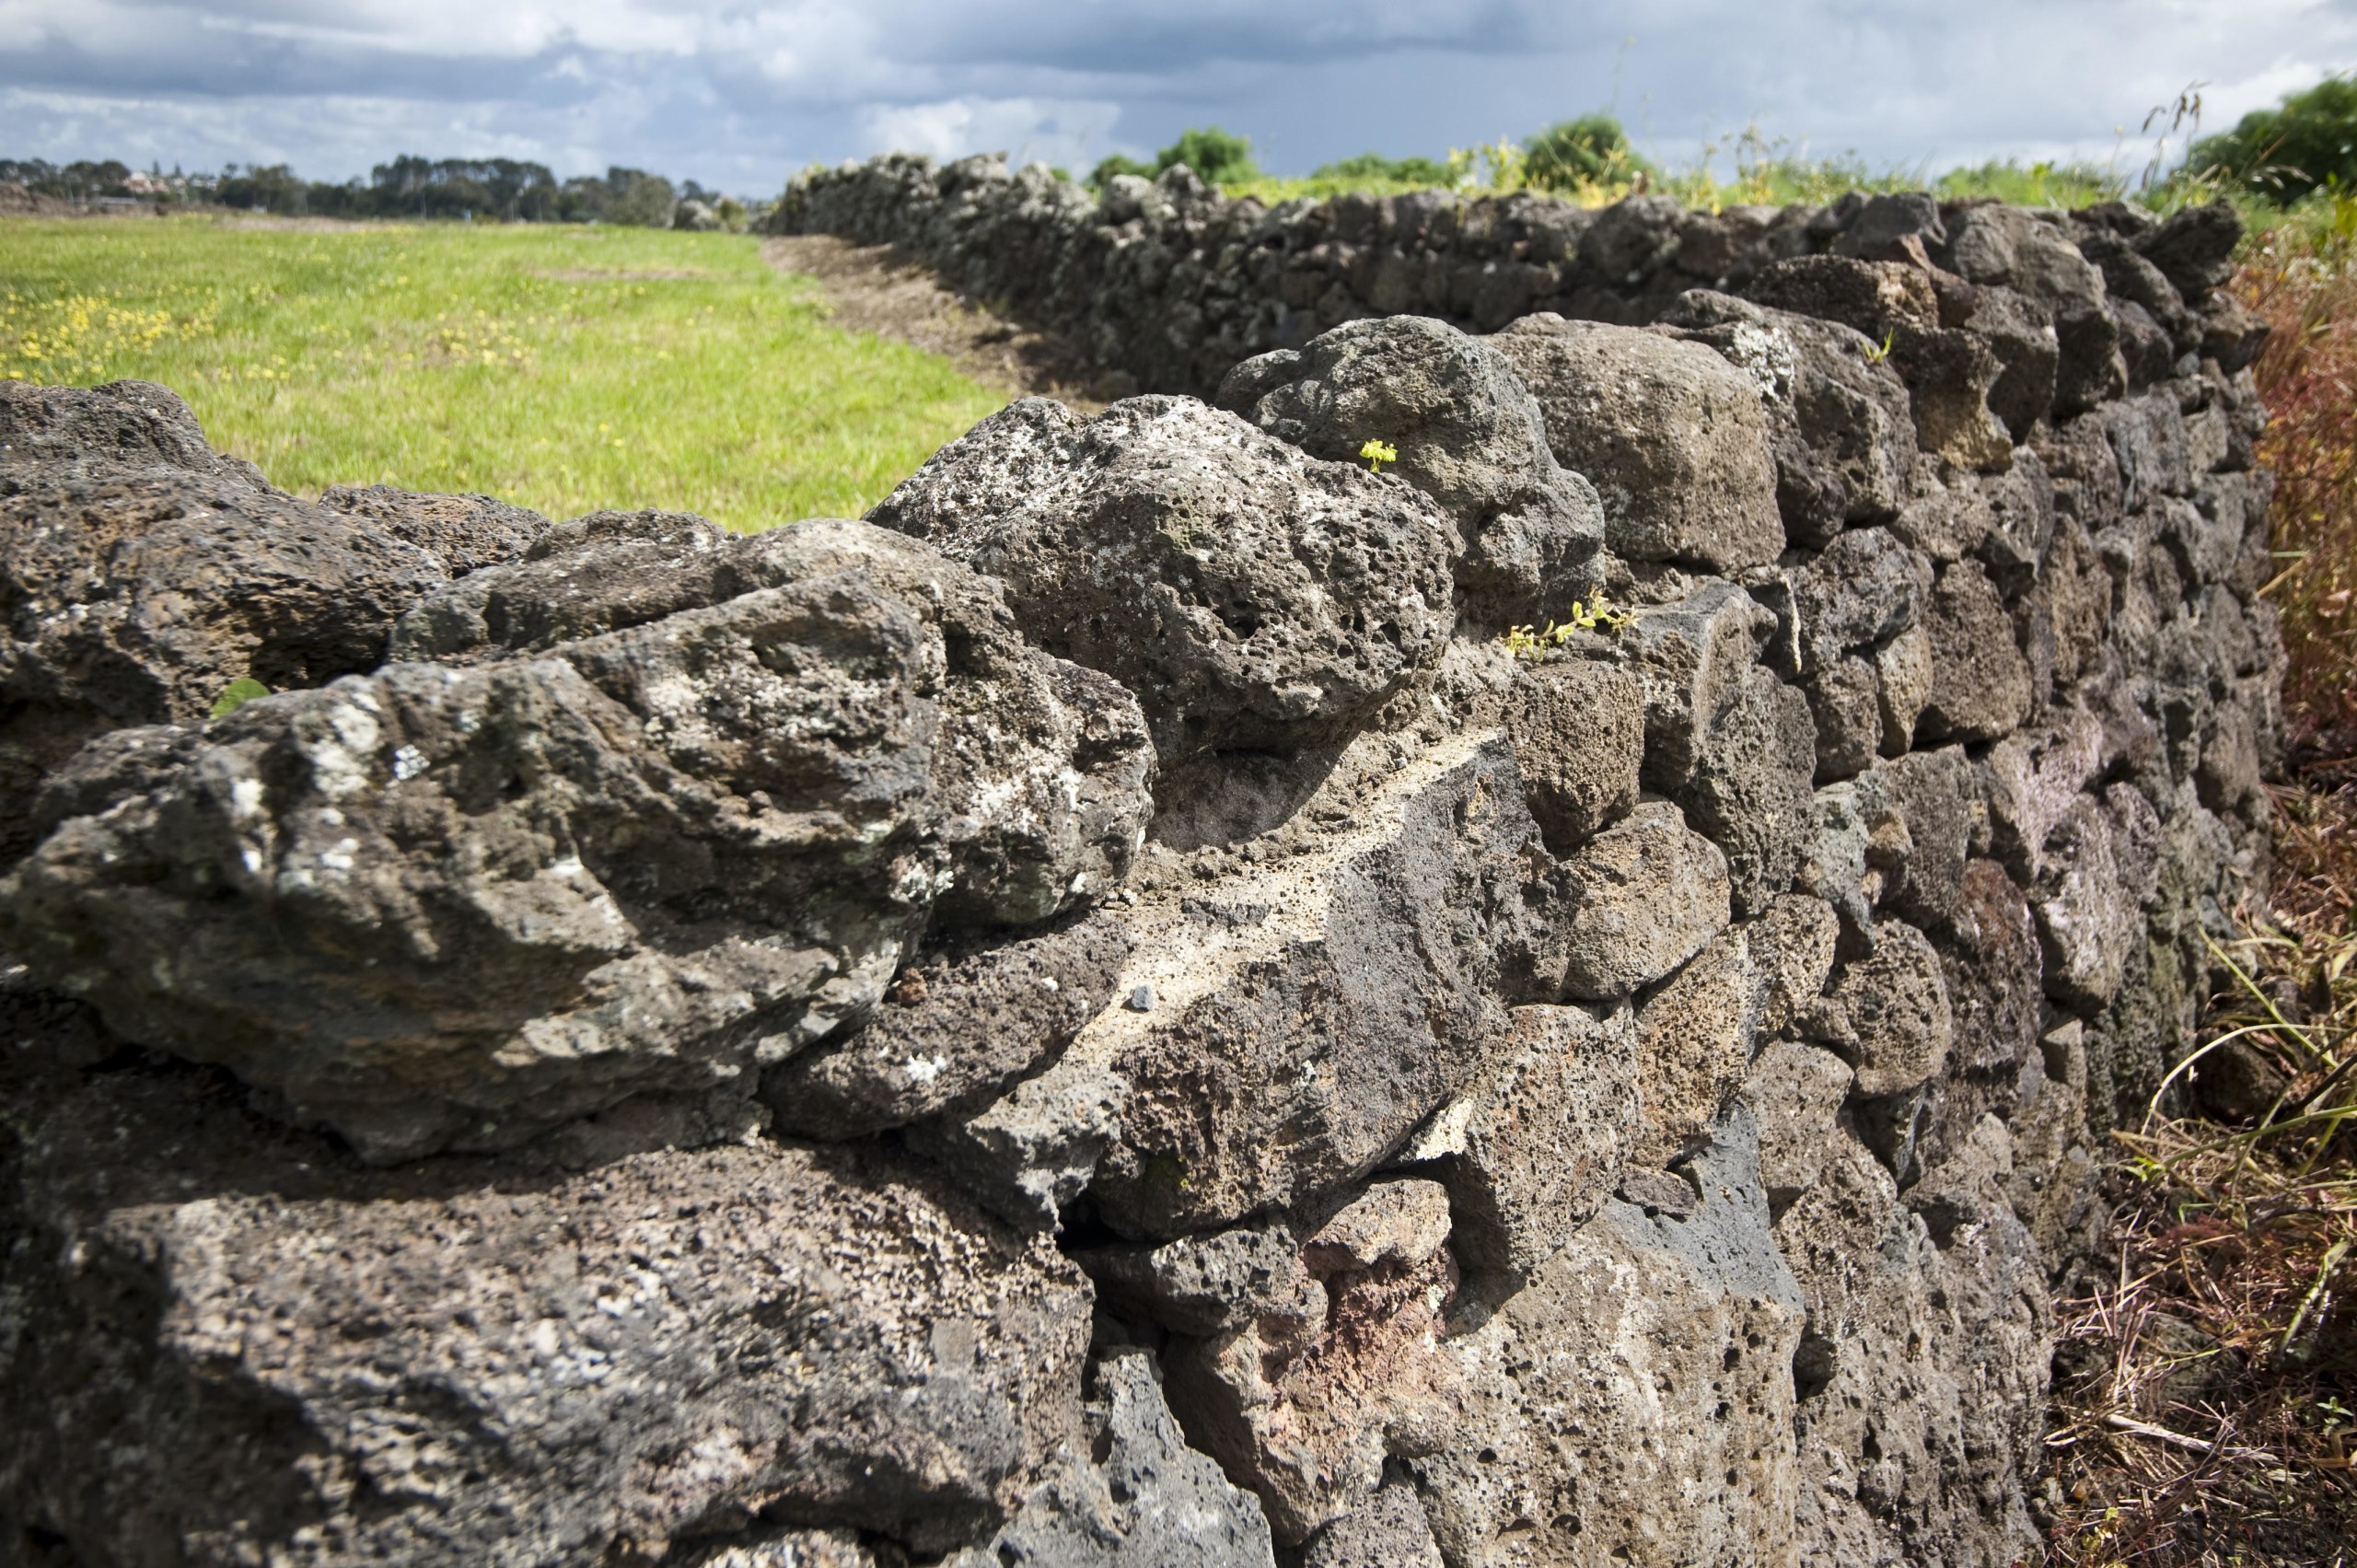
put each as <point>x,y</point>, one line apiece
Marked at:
<point>874,288</point>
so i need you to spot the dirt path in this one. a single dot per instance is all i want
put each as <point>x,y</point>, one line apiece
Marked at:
<point>871,288</point>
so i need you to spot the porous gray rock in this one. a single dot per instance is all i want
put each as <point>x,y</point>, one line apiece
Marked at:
<point>1250,596</point>
<point>1143,1499</point>
<point>2031,253</point>
<point>1289,1014</point>
<point>1981,684</point>
<point>962,1021</point>
<point>1539,1139</point>
<point>1840,417</point>
<point>1578,730</point>
<point>1679,1329</point>
<point>1651,893</point>
<point>141,573</point>
<point>117,430</point>
<point>673,853</point>
<point>1388,1530</point>
<point>1356,999</point>
<point>338,1365</point>
<point>465,533</point>
<point>1748,789</point>
<point>1201,1286</point>
<point>1887,1013</point>
<point>1675,441</point>
<point>1029,836</point>
<point>1695,1039</point>
<point>1734,745</point>
<point>1877,299</point>
<point>588,575</point>
<point>1467,433</point>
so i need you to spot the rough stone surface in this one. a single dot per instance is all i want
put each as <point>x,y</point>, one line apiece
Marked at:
<point>1651,893</point>
<point>1251,596</point>
<point>1305,1413</point>
<point>1641,1328</point>
<point>1695,1038</point>
<point>334,1365</point>
<point>965,1020</point>
<point>1468,432</point>
<point>1579,739</point>
<point>1980,683</point>
<point>465,533</point>
<point>1537,1142</point>
<point>1389,1530</point>
<point>668,855</point>
<point>1142,1500</point>
<point>141,573</point>
<point>1674,439</point>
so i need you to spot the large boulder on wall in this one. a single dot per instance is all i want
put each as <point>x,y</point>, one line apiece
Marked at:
<point>142,573</point>
<point>516,1365</point>
<point>1673,439</point>
<point>1253,597</point>
<point>645,861</point>
<point>1467,433</point>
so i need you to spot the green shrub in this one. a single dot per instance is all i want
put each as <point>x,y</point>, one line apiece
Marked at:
<point>1119,163</point>
<point>1570,154</point>
<point>1374,169</point>
<point>646,201</point>
<point>2309,143</point>
<point>1217,158</point>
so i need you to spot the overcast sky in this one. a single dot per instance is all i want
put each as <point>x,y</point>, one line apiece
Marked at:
<point>740,93</point>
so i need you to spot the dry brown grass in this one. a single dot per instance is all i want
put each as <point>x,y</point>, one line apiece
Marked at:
<point>2301,278</point>
<point>2207,1395</point>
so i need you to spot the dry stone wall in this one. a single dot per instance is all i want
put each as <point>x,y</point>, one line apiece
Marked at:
<point>1106,1013</point>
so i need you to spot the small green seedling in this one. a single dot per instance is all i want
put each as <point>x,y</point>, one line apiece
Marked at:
<point>1876,356</point>
<point>1378,453</point>
<point>1532,643</point>
<point>237,694</point>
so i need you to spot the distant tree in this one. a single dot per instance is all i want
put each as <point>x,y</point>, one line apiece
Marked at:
<point>274,188</point>
<point>1119,163</point>
<point>33,174</point>
<point>1375,165</point>
<point>584,198</point>
<point>1216,157</point>
<point>1590,150</point>
<point>645,201</point>
<point>501,188</point>
<point>2307,142</point>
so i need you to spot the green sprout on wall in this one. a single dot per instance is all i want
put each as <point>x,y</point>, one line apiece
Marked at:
<point>1876,356</point>
<point>1532,643</point>
<point>1378,453</point>
<point>237,694</point>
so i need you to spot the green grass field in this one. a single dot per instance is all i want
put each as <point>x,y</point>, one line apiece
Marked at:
<point>564,368</point>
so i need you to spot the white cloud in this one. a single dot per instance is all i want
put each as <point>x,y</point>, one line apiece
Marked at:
<point>740,92</point>
<point>1028,130</point>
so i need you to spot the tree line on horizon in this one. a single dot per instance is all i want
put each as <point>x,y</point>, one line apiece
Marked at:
<point>508,189</point>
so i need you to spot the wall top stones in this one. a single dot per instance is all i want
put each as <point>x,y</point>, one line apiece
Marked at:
<point>1169,283</point>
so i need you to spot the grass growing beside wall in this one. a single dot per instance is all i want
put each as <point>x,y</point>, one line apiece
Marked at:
<point>566,368</point>
<point>2213,1416</point>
